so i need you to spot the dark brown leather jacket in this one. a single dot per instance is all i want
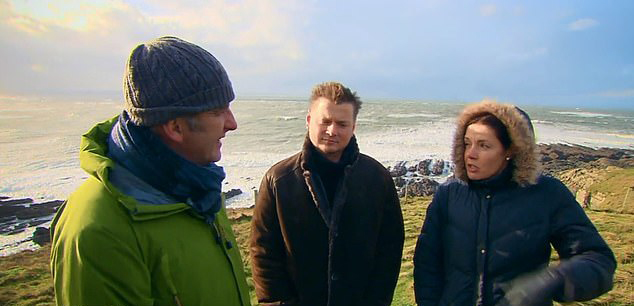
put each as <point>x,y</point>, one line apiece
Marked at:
<point>303,255</point>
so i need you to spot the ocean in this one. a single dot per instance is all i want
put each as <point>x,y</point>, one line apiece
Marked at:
<point>39,139</point>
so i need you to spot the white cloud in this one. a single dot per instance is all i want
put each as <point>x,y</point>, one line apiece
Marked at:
<point>582,24</point>
<point>68,44</point>
<point>488,10</point>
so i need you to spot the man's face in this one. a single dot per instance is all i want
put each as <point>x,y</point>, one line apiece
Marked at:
<point>201,143</point>
<point>330,127</point>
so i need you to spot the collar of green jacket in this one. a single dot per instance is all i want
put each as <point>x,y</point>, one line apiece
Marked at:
<point>94,160</point>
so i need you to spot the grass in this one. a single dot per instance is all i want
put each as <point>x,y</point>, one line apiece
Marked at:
<point>616,229</point>
<point>612,192</point>
<point>25,278</point>
<point>413,216</point>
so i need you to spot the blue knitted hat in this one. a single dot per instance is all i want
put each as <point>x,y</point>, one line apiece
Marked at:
<point>169,77</point>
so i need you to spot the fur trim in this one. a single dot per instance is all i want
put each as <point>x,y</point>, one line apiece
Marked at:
<point>523,146</point>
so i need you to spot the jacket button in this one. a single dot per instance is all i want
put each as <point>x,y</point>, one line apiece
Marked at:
<point>334,276</point>
<point>483,251</point>
<point>488,196</point>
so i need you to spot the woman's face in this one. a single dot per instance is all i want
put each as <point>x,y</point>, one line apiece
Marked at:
<point>484,154</point>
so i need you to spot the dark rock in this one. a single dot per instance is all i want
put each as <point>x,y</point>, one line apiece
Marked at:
<point>7,219</point>
<point>14,228</point>
<point>556,158</point>
<point>399,181</point>
<point>232,193</point>
<point>438,167</point>
<point>41,236</point>
<point>398,170</point>
<point>7,202</point>
<point>38,210</point>
<point>16,208</point>
<point>18,214</point>
<point>423,187</point>
<point>413,168</point>
<point>423,167</point>
<point>10,211</point>
<point>33,223</point>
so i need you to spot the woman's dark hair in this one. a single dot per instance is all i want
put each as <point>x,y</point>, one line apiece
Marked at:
<point>497,126</point>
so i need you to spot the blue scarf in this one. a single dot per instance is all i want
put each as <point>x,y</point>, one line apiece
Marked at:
<point>144,154</point>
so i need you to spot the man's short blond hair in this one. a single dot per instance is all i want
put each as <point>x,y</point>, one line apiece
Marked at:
<point>337,93</point>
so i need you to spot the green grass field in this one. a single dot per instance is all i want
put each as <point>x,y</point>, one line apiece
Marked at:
<point>25,278</point>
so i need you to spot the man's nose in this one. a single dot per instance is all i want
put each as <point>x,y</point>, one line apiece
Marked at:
<point>230,121</point>
<point>331,129</point>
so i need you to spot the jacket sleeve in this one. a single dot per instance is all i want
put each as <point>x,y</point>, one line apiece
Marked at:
<point>586,262</point>
<point>268,255</point>
<point>428,256</point>
<point>95,266</point>
<point>389,250</point>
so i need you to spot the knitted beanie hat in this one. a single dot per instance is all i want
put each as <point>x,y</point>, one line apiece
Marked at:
<point>169,77</point>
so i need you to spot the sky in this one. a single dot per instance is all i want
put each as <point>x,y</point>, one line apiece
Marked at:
<point>558,53</point>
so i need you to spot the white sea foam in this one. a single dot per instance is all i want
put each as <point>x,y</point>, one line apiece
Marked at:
<point>424,115</point>
<point>12,244</point>
<point>582,114</point>
<point>542,122</point>
<point>286,118</point>
<point>574,134</point>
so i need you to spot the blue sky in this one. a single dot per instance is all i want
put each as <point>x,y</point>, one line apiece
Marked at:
<point>569,53</point>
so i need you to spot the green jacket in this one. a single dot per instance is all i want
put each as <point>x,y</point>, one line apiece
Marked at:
<point>110,249</point>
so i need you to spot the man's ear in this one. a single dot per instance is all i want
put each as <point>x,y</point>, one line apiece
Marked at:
<point>307,119</point>
<point>171,131</point>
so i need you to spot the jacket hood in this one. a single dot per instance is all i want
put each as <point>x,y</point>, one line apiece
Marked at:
<point>524,159</point>
<point>94,160</point>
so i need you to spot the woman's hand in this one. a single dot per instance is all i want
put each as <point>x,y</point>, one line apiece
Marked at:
<point>538,288</point>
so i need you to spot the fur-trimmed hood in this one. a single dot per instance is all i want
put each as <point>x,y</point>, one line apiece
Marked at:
<point>523,147</point>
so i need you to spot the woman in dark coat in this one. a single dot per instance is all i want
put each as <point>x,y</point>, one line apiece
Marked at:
<point>488,233</point>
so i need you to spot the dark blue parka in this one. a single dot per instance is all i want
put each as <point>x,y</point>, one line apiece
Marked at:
<point>480,237</point>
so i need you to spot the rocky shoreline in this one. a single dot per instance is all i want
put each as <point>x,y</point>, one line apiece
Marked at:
<point>421,178</point>
<point>412,178</point>
<point>556,158</point>
<point>17,215</point>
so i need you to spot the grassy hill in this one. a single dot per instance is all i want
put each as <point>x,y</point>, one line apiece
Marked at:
<point>611,189</point>
<point>25,277</point>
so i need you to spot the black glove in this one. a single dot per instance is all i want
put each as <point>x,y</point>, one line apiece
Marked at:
<point>536,288</point>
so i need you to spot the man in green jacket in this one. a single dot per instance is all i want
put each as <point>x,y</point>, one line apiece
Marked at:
<point>149,227</point>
